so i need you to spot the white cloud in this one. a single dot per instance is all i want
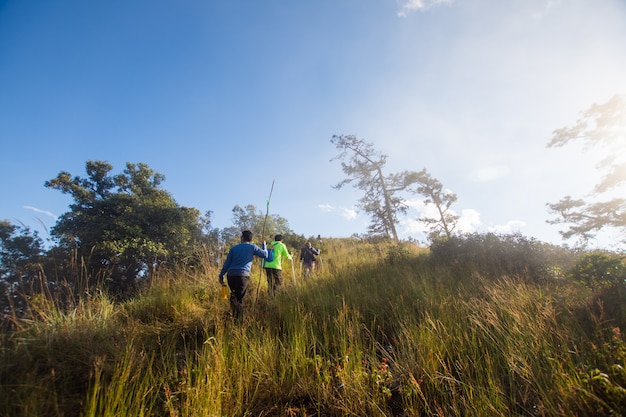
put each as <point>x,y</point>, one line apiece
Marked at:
<point>512,226</point>
<point>425,210</point>
<point>416,204</point>
<point>413,5</point>
<point>347,213</point>
<point>36,210</point>
<point>413,227</point>
<point>469,220</point>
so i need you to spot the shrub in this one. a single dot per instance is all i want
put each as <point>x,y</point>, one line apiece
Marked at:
<point>494,255</point>
<point>598,270</point>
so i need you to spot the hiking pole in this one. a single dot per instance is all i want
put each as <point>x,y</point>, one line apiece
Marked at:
<point>293,273</point>
<point>267,210</point>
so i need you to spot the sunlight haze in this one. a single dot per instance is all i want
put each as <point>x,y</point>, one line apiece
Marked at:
<point>222,98</point>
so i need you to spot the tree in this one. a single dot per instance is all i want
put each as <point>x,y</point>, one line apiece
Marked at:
<point>598,270</point>
<point>210,235</point>
<point>383,194</point>
<point>21,254</point>
<point>249,218</point>
<point>444,223</point>
<point>601,125</point>
<point>123,226</point>
<point>381,200</point>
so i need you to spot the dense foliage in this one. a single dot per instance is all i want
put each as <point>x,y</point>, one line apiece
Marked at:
<point>122,226</point>
<point>21,253</point>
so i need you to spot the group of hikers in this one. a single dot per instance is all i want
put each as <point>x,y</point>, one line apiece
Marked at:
<point>238,265</point>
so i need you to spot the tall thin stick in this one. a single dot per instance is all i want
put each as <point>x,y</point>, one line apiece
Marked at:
<point>267,210</point>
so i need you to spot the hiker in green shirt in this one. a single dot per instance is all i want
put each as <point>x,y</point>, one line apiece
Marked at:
<point>273,263</point>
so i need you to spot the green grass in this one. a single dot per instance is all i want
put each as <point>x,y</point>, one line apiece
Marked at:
<point>377,331</point>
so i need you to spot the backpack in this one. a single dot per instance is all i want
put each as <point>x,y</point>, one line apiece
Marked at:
<point>270,253</point>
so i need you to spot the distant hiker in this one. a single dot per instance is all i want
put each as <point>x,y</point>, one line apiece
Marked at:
<point>237,269</point>
<point>307,256</point>
<point>273,264</point>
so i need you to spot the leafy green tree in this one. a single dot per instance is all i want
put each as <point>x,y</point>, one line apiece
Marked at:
<point>602,125</point>
<point>210,236</point>
<point>249,218</point>
<point>21,254</point>
<point>123,226</point>
<point>600,269</point>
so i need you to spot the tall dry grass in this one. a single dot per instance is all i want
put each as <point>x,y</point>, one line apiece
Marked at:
<point>377,331</point>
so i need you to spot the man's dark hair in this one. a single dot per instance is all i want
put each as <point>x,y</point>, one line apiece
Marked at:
<point>246,235</point>
<point>278,238</point>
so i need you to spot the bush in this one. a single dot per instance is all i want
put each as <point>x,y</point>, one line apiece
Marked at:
<point>604,274</point>
<point>493,256</point>
<point>598,270</point>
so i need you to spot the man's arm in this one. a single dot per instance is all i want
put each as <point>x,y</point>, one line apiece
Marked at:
<point>225,267</point>
<point>285,251</point>
<point>261,252</point>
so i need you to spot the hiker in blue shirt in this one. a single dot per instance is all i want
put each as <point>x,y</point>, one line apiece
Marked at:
<point>237,270</point>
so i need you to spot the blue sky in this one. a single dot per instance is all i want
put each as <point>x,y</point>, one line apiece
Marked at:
<point>222,97</point>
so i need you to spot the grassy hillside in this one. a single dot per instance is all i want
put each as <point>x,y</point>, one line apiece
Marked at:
<point>380,330</point>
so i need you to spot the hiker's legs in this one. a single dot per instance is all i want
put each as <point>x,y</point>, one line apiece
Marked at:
<point>274,279</point>
<point>278,279</point>
<point>238,287</point>
<point>308,268</point>
<point>269,274</point>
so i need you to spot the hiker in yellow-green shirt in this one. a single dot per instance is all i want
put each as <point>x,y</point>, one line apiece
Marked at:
<point>273,268</point>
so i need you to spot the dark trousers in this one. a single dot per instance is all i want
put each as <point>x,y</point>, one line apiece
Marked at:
<point>238,287</point>
<point>309,267</point>
<point>274,279</point>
